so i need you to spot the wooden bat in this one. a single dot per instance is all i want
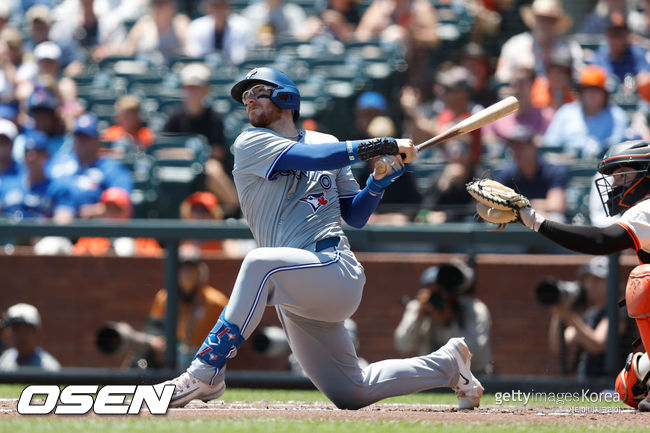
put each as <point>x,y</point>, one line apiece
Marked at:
<point>487,115</point>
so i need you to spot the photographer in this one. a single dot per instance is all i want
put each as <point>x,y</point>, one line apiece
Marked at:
<point>199,304</point>
<point>584,335</point>
<point>442,309</point>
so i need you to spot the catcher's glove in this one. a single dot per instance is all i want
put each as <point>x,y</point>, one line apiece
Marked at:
<point>497,203</point>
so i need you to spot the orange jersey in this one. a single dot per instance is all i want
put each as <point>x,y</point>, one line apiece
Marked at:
<point>195,319</point>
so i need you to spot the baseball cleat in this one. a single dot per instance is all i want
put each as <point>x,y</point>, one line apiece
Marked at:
<point>189,388</point>
<point>468,389</point>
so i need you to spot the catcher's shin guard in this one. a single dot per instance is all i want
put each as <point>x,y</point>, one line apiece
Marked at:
<point>637,299</point>
<point>219,346</point>
<point>629,388</point>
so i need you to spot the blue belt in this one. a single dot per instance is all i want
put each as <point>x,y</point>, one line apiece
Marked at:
<point>326,243</point>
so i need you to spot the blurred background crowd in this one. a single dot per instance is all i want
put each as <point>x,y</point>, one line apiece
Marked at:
<point>121,108</point>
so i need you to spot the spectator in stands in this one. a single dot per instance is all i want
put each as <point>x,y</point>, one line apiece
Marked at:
<point>205,206</point>
<point>400,205</point>
<point>129,132</point>
<point>32,194</point>
<point>587,127</point>
<point>8,166</point>
<point>273,19</point>
<point>476,61</point>
<point>115,204</point>
<point>337,20</point>
<point>442,309</point>
<point>547,21</point>
<point>453,104</point>
<point>5,14</point>
<point>585,335</point>
<point>162,31</point>
<point>446,199</point>
<point>40,18</point>
<point>219,30</point>
<point>199,304</point>
<point>43,106</point>
<point>494,134</point>
<point>10,60</point>
<point>90,24</point>
<point>411,23</point>
<point>24,324</point>
<point>89,174</point>
<point>556,88</point>
<point>530,174</point>
<point>618,55</point>
<point>596,22</point>
<point>197,117</point>
<point>639,22</point>
<point>369,105</point>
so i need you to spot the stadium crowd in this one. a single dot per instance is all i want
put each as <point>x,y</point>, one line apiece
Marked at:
<point>107,107</point>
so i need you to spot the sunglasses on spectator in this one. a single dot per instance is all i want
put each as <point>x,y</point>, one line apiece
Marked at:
<point>256,92</point>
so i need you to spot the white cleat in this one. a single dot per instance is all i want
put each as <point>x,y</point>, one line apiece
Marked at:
<point>468,389</point>
<point>189,388</point>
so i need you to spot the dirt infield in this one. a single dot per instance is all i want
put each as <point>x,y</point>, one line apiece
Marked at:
<point>428,413</point>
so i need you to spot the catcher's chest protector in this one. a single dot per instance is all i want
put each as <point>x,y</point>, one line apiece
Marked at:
<point>637,299</point>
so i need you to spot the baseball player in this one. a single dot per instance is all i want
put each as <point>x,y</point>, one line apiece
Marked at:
<point>624,187</point>
<point>294,186</point>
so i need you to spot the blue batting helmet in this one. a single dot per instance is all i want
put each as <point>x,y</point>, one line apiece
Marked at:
<point>285,95</point>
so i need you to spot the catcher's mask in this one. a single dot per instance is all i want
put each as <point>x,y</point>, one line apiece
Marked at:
<point>625,177</point>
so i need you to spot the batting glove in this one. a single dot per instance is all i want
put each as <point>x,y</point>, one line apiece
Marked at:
<point>377,187</point>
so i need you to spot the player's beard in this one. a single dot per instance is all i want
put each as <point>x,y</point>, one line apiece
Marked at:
<point>262,117</point>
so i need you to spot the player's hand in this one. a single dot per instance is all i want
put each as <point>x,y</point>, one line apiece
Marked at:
<point>386,165</point>
<point>407,149</point>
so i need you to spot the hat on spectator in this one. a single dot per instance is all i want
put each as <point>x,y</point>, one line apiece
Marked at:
<point>117,196</point>
<point>86,124</point>
<point>429,277</point>
<point>9,110</point>
<point>521,134</point>
<point>549,9</point>
<point>39,13</point>
<point>189,253</point>
<point>593,76</point>
<point>36,140</point>
<point>47,50</point>
<point>44,99</point>
<point>195,74</point>
<point>203,198</point>
<point>561,56</point>
<point>8,129</point>
<point>598,267</point>
<point>372,100</point>
<point>12,37</point>
<point>22,314</point>
<point>455,77</point>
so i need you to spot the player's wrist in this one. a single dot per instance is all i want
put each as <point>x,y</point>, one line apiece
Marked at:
<point>530,218</point>
<point>375,187</point>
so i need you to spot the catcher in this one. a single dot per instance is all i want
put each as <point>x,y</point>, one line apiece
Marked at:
<point>624,187</point>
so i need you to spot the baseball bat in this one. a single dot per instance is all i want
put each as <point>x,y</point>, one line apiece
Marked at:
<point>487,115</point>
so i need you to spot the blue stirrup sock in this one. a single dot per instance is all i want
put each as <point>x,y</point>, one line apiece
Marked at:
<point>219,346</point>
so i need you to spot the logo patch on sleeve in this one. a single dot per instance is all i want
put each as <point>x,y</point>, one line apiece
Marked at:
<point>315,200</point>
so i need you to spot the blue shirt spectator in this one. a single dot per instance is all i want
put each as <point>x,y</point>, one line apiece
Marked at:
<point>32,194</point>
<point>88,174</point>
<point>587,127</point>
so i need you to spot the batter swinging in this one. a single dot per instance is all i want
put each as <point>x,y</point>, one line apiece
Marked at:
<point>294,186</point>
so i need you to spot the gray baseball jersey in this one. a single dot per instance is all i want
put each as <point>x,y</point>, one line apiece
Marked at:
<point>288,208</point>
<point>313,291</point>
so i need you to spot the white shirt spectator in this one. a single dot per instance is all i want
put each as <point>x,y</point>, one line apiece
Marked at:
<point>237,37</point>
<point>287,19</point>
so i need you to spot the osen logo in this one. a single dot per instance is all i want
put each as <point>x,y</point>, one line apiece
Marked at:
<point>78,399</point>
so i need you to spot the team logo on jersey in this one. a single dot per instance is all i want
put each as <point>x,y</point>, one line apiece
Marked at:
<point>315,200</point>
<point>325,181</point>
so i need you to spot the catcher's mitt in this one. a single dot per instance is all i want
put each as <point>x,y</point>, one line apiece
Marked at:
<point>497,203</point>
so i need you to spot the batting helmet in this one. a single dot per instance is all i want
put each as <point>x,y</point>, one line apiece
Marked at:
<point>634,157</point>
<point>285,95</point>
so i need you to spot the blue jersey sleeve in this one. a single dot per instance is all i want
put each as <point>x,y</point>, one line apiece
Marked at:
<point>312,157</point>
<point>356,210</point>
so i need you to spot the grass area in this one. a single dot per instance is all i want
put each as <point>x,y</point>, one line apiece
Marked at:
<point>242,394</point>
<point>281,426</point>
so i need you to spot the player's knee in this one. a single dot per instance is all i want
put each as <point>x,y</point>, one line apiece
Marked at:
<point>352,398</point>
<point>628,387</point>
